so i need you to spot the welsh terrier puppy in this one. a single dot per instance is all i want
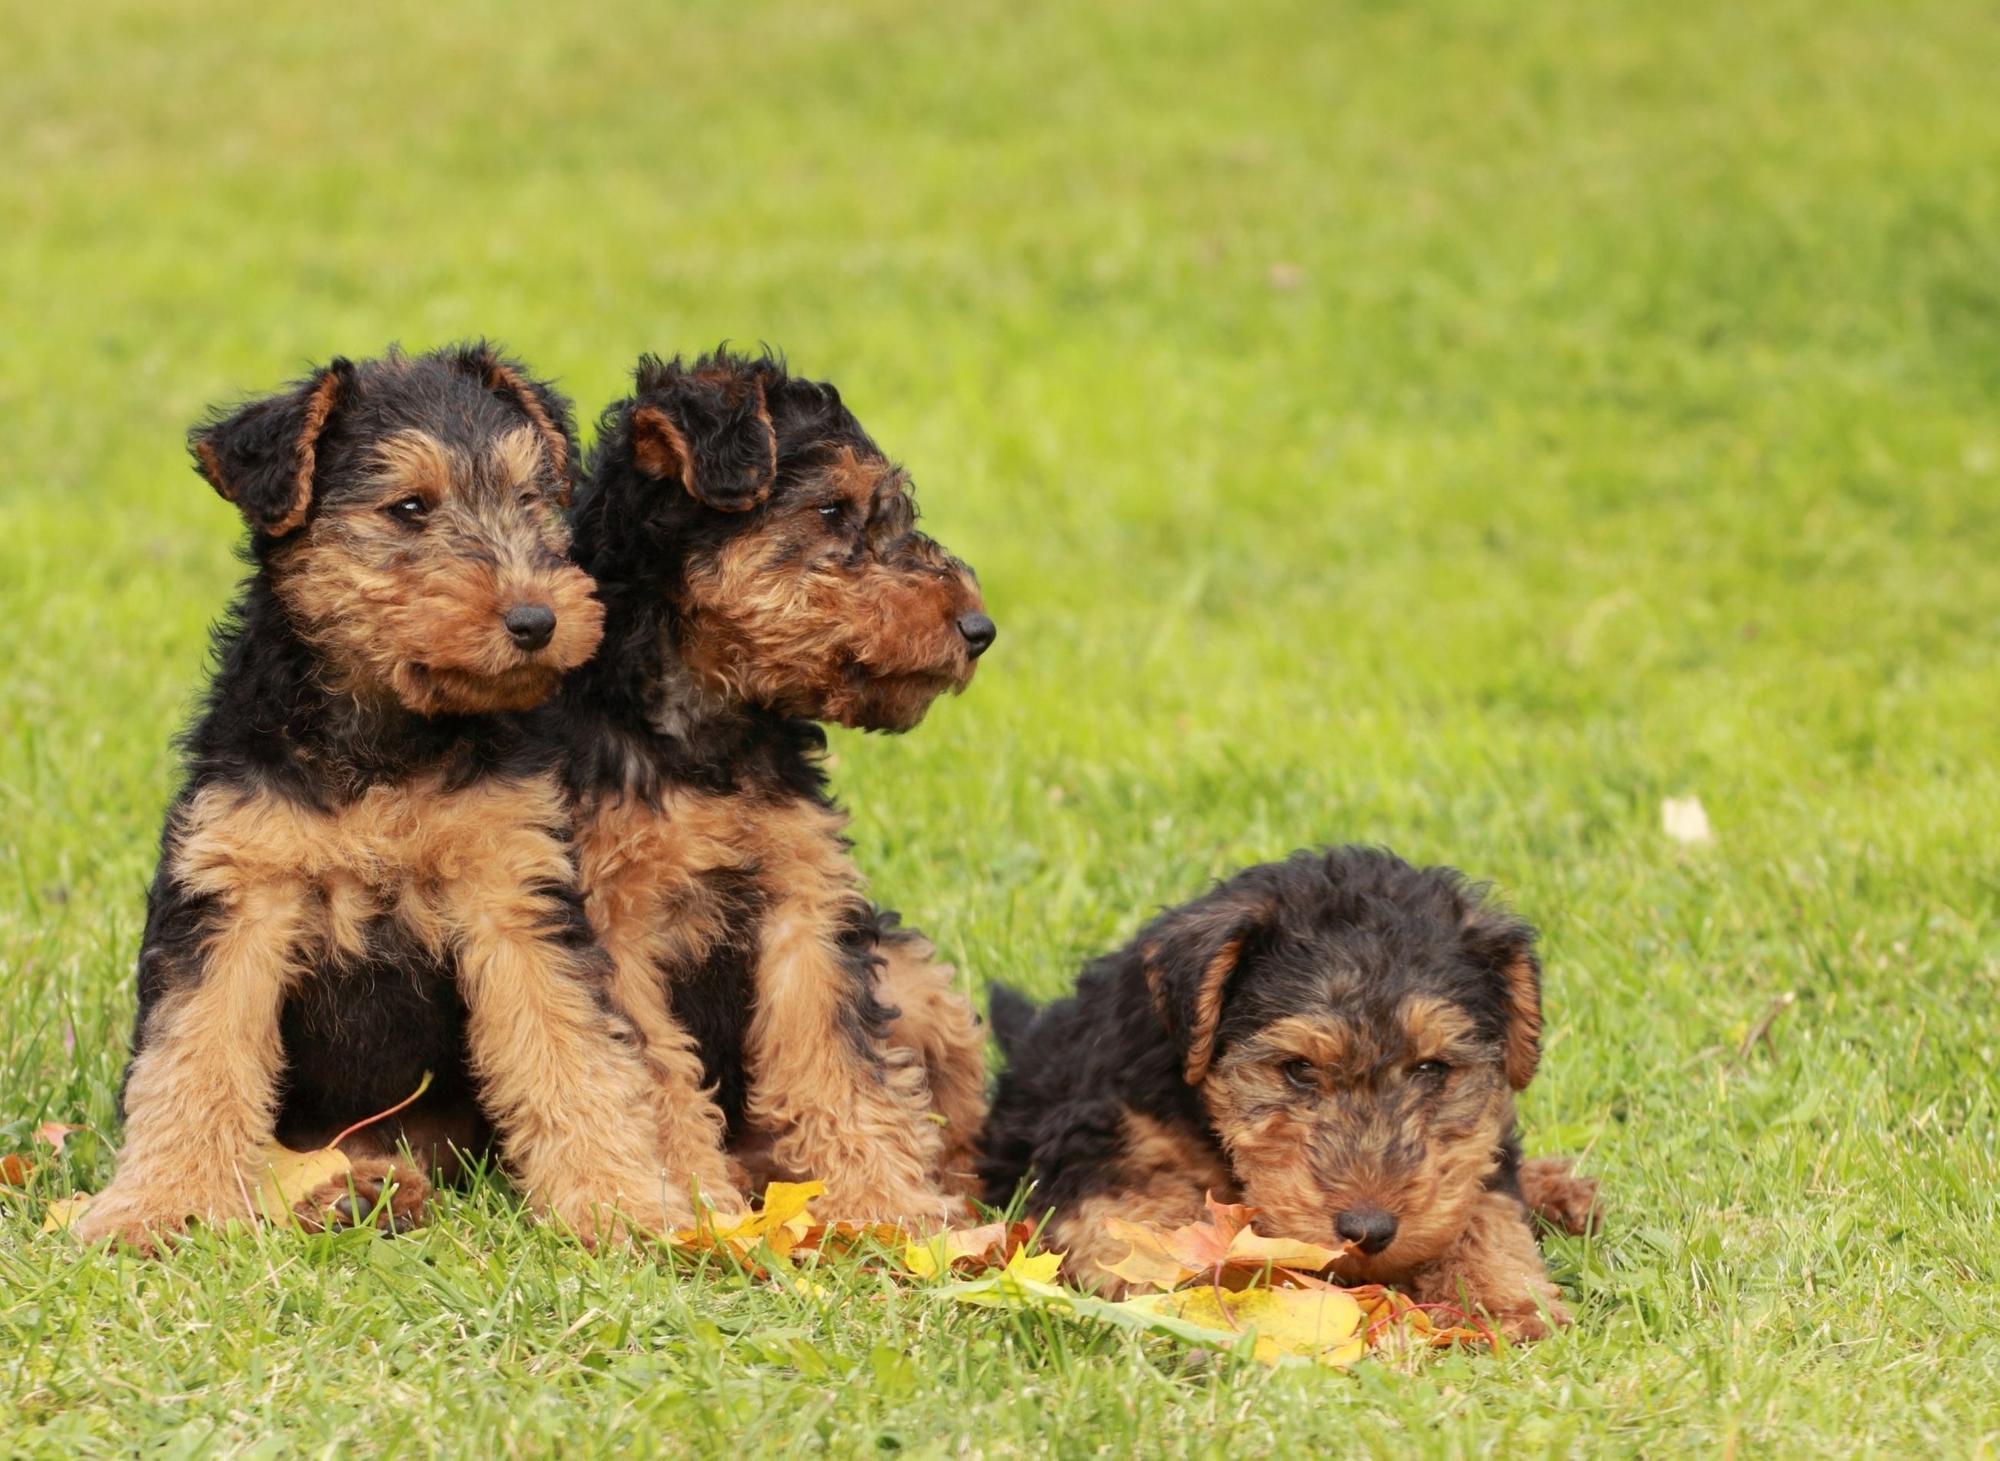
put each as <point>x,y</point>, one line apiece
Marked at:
<point>1335,1039</point>
<point>761,571</point>
<point>367,872</point>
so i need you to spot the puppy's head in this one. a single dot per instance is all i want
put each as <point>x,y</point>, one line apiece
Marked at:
<point>408,512</point>
<point>783,544</point>
<point>1356,1028</point>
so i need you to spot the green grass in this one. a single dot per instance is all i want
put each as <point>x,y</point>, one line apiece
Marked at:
<point>1457,426</point>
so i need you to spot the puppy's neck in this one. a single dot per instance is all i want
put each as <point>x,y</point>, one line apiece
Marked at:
<point>679,708</point>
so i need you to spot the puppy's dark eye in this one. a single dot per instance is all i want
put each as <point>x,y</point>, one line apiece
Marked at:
<point>411,510</point>
<point>1430,1070</point>
<point>530,496</point>
<point>1301,1075</point>
<point>832,514</point>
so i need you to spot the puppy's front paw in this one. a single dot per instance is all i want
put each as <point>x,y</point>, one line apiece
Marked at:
<point>376,1190</point>
<point>1559,1197</point>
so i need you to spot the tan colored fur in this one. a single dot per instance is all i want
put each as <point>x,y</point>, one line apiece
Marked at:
<point>213,1054</point>
<point>660,449</point>
<point>819,1105</point>
<point>938,1024</point>
<point>1493,1267</point>
<point>1208,1009</point>
<point>1558,1196</point>
<point>779,617</point>
<point>519,455</point>
<point>415,463</point>
<point>858,1124</point>
<point>318,408</point>
<point>427,630</point>
<point>650,911</point>
<point>462,871</point>
<point>1524,1021</point>
<point>505,380</point>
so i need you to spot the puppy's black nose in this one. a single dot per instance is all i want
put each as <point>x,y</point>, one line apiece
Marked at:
<point>978,631</point>
<point>530,624</point>
<point>1369,1227</point>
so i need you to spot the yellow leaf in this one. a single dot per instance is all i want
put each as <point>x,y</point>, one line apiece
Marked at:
<point>291,1177</point>
<point>1036,1268</point>
<point>932,1256</point>
<point>1023,1280</point>
<point>1149,1264</point>
<point>64,1211</point>
<point>786,1201</point>
<point>1320,1325</point>
<point>780,1224</point>
<point>927,1259</point>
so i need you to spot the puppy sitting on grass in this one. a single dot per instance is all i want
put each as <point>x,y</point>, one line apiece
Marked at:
<point>368,873</point>
<point>1335,1039</point>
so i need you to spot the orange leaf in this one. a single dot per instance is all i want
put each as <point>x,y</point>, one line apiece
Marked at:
<point>54,1134</point>
<point>14,1170</point>
<point>1150,1264</point>
<point>1225,1248</point>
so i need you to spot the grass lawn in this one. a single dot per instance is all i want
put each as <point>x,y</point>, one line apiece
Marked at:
<point>1458,426</point>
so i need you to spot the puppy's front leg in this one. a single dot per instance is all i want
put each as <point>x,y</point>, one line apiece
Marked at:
<point>1495,1268</point>
<point>201,1098</point>
<point>842,1105</point>
<point>560,1072</point>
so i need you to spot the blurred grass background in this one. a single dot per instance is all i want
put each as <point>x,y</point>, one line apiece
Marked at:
<point>1453,425</point>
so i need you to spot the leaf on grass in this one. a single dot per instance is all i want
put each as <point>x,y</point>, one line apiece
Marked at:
<point>1685,820</point>
<point>1322,1325</point>
<point>14,1170</point>
<point>1391,1318</point>
<point>53,1134</point>
<point>1223,1249</point>
<point>1028,1277</point>
<point>291,1177</point>
<point>780,1225</point>
<point>64,1211</point>
<point>966,1250</point>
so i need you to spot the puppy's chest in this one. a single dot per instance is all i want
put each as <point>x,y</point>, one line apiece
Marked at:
<point>412,854</point>
<point>697,871</point>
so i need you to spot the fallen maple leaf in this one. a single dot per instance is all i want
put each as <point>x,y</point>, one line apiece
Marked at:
<point>53,1134</point>
<point>780,1225</point>
<point>1392,1317</point>
<point>1223,1248</point>
<point>966,1249</point>
<point>1324,1325</point>
<point>14,1170</point>
<point>64,1211</point>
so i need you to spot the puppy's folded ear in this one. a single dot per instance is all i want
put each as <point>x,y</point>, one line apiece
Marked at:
<point>1506,945</point>
<point>545,408</point>
<point>262,456</point>
<point>708,430</point>
<point>1189,957</point>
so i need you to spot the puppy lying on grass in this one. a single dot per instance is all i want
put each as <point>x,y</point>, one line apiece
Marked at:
<point>1335,1039</point>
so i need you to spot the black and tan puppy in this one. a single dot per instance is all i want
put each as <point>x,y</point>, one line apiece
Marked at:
<point>1335,1039</point>
<point>366,873</point>
<point>761,571</point>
